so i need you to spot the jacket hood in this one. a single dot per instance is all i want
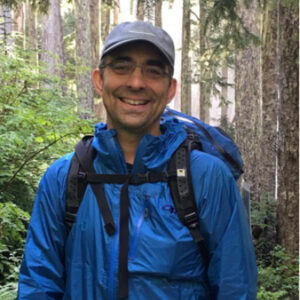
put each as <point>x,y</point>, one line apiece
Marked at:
<point>153,153</point>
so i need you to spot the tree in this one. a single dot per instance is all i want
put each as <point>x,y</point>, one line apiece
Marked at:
<point>31,32</point>
<point>158,17</point>
<point>52,40</point>
<point>83,56</point>
<point>247,104</point>
<point>270,98</point>
<point>105,20</point>
<point>204,86</point>
<point>5,25</point>
<point>18,24</point>
<point>116,11</point>
<point>95,33</point>
<point>288,150</point>
<point>140,11</point>
<point>185,59</point>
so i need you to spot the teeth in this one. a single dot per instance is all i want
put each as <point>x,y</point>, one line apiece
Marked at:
<point>134,102</point>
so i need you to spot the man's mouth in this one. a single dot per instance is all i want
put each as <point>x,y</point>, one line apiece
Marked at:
<point>134,102</point>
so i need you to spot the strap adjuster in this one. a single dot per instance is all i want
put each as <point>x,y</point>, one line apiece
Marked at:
<point>82,176</point>
<point>191,220</point>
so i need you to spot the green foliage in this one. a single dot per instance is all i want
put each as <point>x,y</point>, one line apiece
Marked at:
<point>41,5</point>
<point>9,291</point>
<point>279,280</point>
<point>277,270</point>
<point>264,223</point>
<point>13,226</point>
<point>38,124</point>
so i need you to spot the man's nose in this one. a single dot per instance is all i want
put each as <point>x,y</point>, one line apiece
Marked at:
<point>136,79</point>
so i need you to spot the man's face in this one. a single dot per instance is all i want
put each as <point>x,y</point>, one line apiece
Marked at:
<point>134,102</point>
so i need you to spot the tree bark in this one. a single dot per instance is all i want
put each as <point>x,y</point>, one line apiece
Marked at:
<point>18,25</point>
<point>185,59</point>
<point>270,100</point>
<point>158,10</point>
<point>247,104</point>
<point>288,151</point>
<point>30,32</point>
<point>84,56</point>
<point>204,86</point>
<point>95,32</point>
<point>52,40</point>
<point>6,25</point>
<point>116,11</point>
<point>105,22</point>
<point>140,11</point>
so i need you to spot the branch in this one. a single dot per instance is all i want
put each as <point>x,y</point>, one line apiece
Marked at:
<point>29,159</point>
<point>195,15</point>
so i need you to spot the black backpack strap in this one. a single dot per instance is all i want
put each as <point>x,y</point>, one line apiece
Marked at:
<point>183,194</point>
<point>72,198</point>
<point>82,165</point>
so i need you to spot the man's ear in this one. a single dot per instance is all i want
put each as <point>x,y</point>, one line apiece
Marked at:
<point>172,90</point>
<point>97,81</point>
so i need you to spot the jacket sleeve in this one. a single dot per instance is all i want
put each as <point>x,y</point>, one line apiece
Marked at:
<point>232,271</point>
<point>42,272</point>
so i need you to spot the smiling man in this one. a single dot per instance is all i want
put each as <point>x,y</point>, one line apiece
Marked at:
<point>135,82</point>
<point>129,242</point>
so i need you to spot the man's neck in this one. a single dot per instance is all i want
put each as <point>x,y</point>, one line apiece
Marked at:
<point>129,144</point>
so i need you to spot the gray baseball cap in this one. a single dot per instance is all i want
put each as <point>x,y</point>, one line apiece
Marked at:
<point>140,31</point>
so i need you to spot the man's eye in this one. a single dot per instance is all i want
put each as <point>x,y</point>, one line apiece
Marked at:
<point>154,70</point>
<point>122,67</point>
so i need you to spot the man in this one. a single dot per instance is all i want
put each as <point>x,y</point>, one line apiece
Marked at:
<point>162,260</point>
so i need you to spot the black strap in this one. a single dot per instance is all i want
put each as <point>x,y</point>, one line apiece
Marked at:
<point>72,198</point>
<point>123,241</point>
<point>183,194</point>
<point>178,177</point>
<point>81,164</point>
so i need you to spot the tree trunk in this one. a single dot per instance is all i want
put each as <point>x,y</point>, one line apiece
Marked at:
<point>98,107</point>
<point>116,11</point>
<point>105,22</point>
<point>247,108</point>
<point>6,25</point>
<point>30,32</point>
<point>270,100</point>
<point>18,25</point>
<point>204,86</point>
<point>52,40</point>
<point>288,151</point>
<point>185,60</point>
<point>140,11</point>
<point>158,9</point>
<point>95,33</point>
<point>84,55</point>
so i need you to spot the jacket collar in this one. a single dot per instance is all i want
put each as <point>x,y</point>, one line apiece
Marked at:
<point>153,153</point>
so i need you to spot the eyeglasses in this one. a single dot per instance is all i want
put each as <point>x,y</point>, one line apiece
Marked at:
<point>126,67</point>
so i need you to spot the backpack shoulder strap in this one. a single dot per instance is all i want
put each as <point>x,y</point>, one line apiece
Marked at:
<point>75,186</point>
<point>80,167</point>
<point>182,191</point>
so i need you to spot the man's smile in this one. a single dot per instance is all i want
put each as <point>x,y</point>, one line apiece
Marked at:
<point>134,102</point>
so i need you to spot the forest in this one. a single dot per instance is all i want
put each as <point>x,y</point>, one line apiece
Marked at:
<point>237,68</point>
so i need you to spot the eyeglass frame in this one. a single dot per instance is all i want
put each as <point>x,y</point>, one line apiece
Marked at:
<point>103,65</point>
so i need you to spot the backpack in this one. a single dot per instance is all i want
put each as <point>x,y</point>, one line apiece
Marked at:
<point>200,136</point>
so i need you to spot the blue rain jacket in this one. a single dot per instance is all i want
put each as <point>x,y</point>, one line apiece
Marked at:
<point>164,262</point>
